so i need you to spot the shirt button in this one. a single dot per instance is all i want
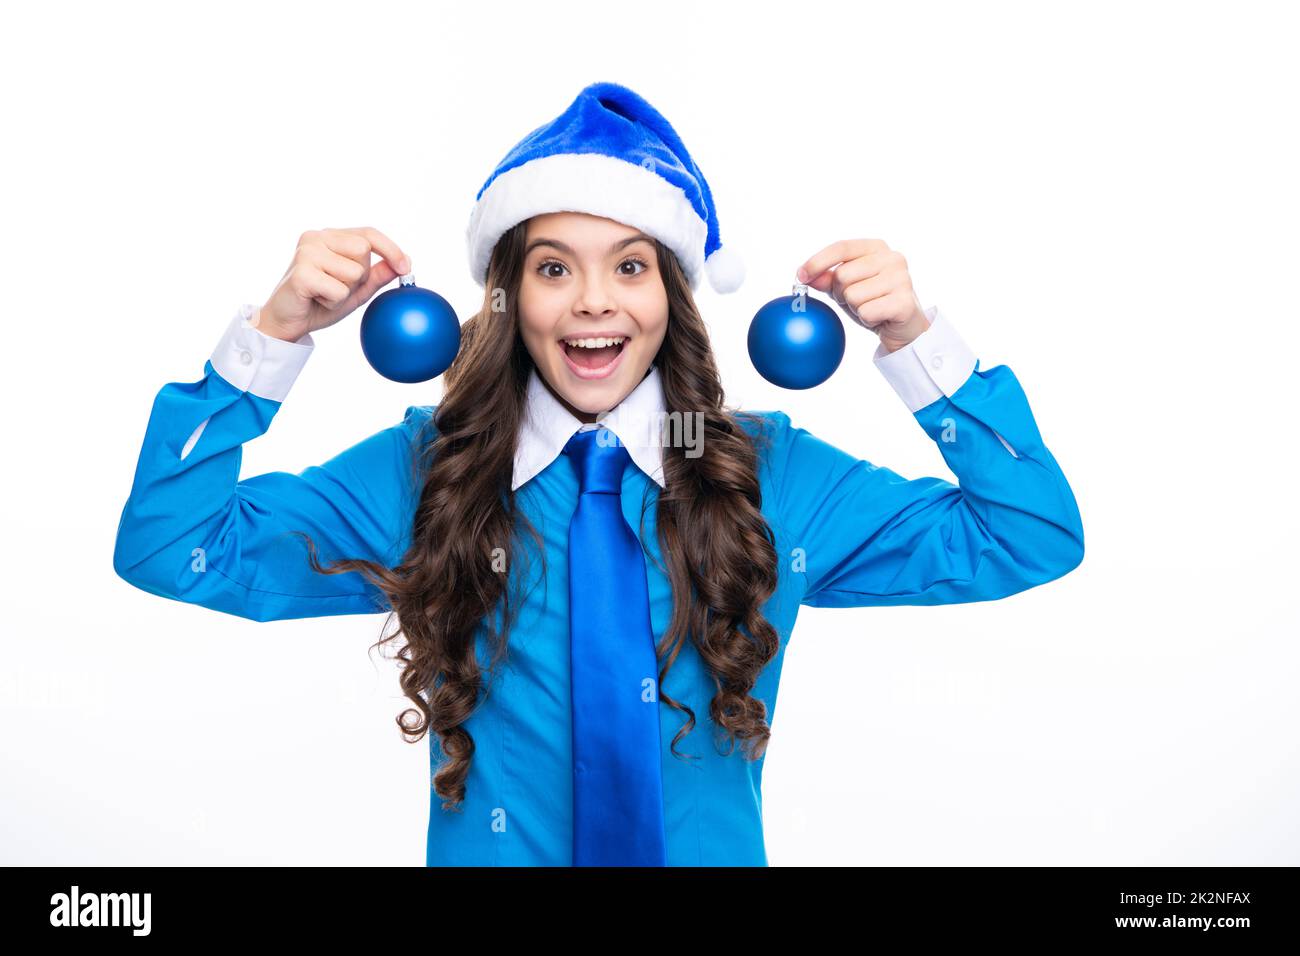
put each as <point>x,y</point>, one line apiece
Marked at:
<point>246,357</point>
<point>936,362</point>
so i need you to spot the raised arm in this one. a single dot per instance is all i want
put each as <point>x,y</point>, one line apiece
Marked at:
<point>867,536</point>
<point>193,532</point>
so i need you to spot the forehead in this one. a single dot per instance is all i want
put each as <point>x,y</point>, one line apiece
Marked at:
<point>578,225</point>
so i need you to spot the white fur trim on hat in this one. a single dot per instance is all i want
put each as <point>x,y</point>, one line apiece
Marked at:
<point>596,184</point>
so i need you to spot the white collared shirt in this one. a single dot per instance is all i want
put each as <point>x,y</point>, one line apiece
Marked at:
<point>548,426</point>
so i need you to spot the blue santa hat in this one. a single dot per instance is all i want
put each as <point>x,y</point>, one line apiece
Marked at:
<point>609,154</point>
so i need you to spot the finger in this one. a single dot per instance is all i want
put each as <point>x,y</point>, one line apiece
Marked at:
<point>834,254</point>
<point>813,270</point>
<point>863,292</point>
<point>342,267</point>
<point>863,267</point>
<point>386,248</point>
<point>380,275</point>
<point>324,288</point>
<point>883,309</point>
<point>345,242</point>
<point>848,273</point>
<point>823,282</point>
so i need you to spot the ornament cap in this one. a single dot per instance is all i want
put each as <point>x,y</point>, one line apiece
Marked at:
<point>408,279</point>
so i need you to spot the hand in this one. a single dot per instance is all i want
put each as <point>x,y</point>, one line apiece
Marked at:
<point>871,285</point>
<point>329,276</point>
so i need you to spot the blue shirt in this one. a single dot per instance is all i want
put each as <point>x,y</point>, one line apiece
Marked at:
<point>848,533</point>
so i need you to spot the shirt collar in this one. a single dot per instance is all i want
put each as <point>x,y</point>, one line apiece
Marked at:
<point>547,427</point>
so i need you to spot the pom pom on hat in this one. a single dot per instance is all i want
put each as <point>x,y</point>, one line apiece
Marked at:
<point>726,270</point>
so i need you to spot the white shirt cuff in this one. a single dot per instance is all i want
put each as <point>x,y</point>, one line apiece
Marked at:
<point>253,361</point>
<point>936,363</point>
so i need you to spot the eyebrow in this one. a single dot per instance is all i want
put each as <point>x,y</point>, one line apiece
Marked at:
<point>555,243</point>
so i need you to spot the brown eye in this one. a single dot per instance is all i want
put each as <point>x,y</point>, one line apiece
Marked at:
<point>546,264</point>
<point>637,261</point>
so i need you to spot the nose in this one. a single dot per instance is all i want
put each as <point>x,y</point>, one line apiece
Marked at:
<point>594,299</point>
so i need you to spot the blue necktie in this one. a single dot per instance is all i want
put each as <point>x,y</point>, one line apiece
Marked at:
<point>618,816</point>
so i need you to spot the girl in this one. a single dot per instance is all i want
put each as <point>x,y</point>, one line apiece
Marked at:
<point>590,701</point>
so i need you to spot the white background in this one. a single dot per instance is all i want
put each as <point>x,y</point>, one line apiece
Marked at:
<point>1102,196</point>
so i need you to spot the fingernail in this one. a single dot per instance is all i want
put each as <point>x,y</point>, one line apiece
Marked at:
<point>802,274</point>
<point>406,265</point>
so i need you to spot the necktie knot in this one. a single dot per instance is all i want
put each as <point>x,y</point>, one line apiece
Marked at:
<point>599,459</point>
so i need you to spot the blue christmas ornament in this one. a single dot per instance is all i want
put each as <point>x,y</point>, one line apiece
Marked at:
<point>409,334</point>
<point>796,341</point>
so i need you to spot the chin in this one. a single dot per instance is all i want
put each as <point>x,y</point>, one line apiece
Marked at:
<point>596,396</point>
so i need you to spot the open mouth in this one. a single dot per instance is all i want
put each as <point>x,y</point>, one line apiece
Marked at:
<point>597,358</point>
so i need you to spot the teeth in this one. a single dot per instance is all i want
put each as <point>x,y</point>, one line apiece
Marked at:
<point>594,343</point>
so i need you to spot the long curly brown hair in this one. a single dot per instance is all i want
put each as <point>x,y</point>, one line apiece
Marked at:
<point>720,550</point>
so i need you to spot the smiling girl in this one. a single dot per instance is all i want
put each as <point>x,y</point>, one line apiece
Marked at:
<point>593,610</point>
